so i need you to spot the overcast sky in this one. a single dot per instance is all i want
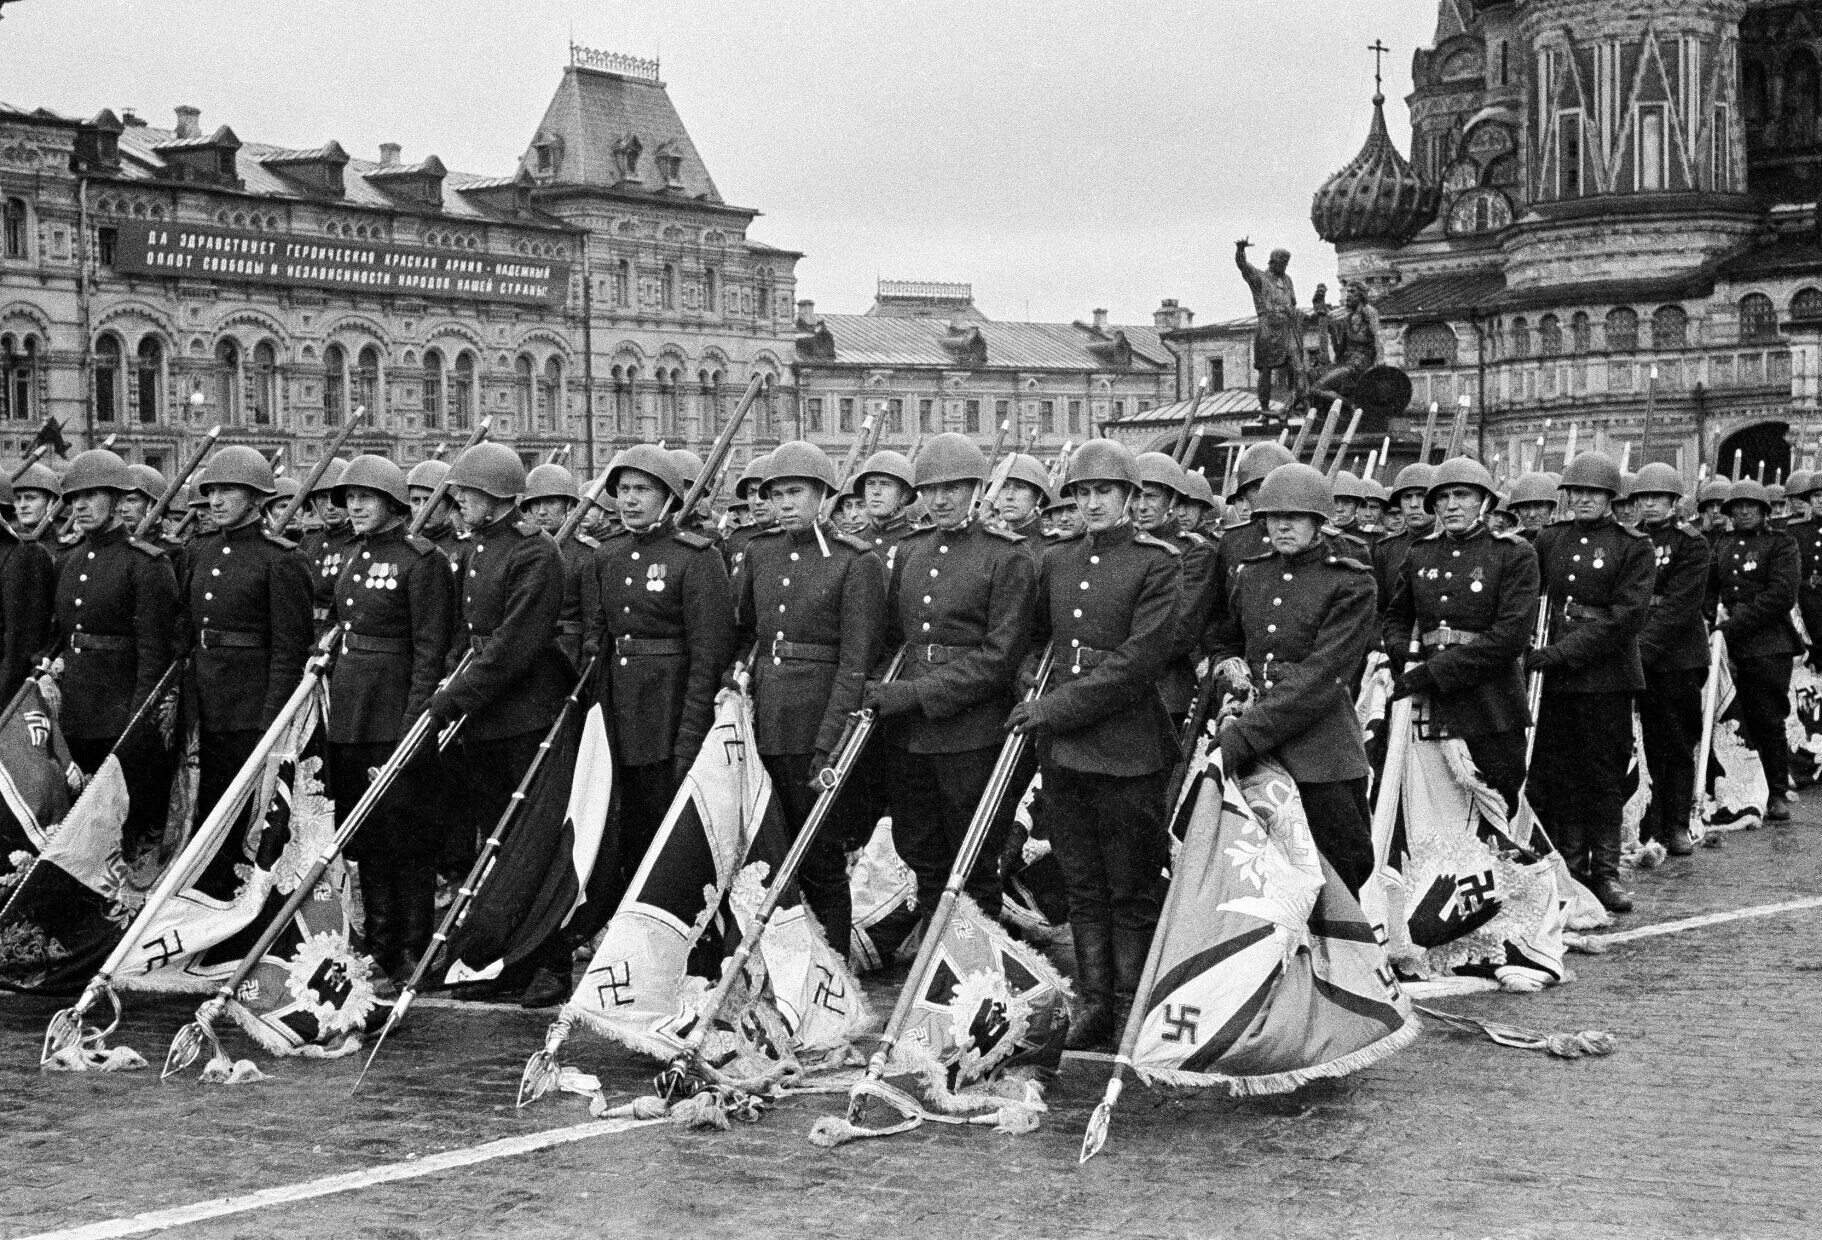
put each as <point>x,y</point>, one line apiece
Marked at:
<point>1059,155</point>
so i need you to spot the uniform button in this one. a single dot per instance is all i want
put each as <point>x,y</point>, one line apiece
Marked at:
<point>1446,576</point>
<point>206,596</point>
<point>1084,585</point>
<point>84,577</point>
<point>214,572</point>
<point>933,572</point>
<point>629,581</point>
<point>226,550</point>
<point>1456,554</point>
<point>926,598</point>
<point>1277,602</point>
<point>781,607</point>
<point>627,610</point>
<point>784,581</point>
<point>1094,559</point>
<point>1443,599</point>
<point>479,547</point>
<point>1075,641</point>
<point>366,555</point>
<point>78,602</point>
<point>942,551</point>
<point>350,602</point>
<point>91,555</point>
<point>1078,613</point>
<point>1287,576</point>
<point>1571,576</point>
<point>635,555</point>
<point>793,555</point>
<point>926,626</point>
<point>1271,628</point>
<point>1584,542</point>
<point>1576,558</point>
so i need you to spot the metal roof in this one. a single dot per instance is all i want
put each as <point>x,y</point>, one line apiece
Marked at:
<point>866,340</point>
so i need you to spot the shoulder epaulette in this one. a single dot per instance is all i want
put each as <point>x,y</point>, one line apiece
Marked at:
<point>769,532</point>
<point>1348,561</point>
<point>1689,527</point>
<point>151,549</point>
<point>1260,558</point>
<point>690,538</point>
<point>527,529</point>
<point>1148,540</point>
<point>1006,535</point>
<point>1196,537</point>
<point>1435,532</point>
<point>277,540</point>
<point>588,540</point>
<point>1511,536</point>
<point>853,540</point>
<point>420,544</point>
<point>1060,538</point>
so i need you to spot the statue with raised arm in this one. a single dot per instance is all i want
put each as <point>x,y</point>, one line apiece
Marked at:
<point>1278,339</point>
<point>1353,341</point>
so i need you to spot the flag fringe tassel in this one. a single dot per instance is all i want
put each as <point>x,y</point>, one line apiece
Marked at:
<point>1284,1082</point>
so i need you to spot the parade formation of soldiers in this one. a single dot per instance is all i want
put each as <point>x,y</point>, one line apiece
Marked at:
<point>1107,605</point>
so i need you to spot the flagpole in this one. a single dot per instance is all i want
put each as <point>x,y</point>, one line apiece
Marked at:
<point>1711,692</point>
<point>478,873</point>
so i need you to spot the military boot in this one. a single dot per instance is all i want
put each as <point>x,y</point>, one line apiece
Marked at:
<point>1130,948</point>
<point>1093,1028</point>
<point>381,928</point>
<point>415,898</point>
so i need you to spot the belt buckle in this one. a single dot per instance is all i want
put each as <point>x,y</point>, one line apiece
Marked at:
<point>202,639</point>
<point>930,653</point>
<point>1075,665</point>
<point>776,657</point>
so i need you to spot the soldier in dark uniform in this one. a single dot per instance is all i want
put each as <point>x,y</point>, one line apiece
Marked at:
<point>116,604</point>
<point>1300,620</point>
<point>1754,576</point>
<point>962,601</point>
<point>1108,606</point>
<point>1711,509</point>
<point>1373,500</point>
<point>1195,510</point>
<point>664,630</point>
<point>36,493</point>
<point>1024,494</point>
<point>440,526</point>
<point>1161,485</point>
<point>326,547</point>
<point>1598,576</point>
<point>884,482</point>
<point>1065,520</point>
<point>747,487</point>
<point>813,599</point>
<point>1797,490</point>
<point>1205,610</point>
<point>1780,506</point>
<point>1471,595</point>
<point>395,601</point>
<point>1533,502</point>
<point>246,618</point>
<point>148,489</point>
<point>550,496</point>
<point>285,489</point>
<point>28,586</point>
<point>510,597</point>
<point>1348,494</point>
<point>1673,652</point>
<point>1807,530</point>
<point>1410,494</point>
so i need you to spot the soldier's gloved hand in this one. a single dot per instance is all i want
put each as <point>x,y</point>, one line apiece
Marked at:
<point>1543,660</point>
<point>887,698</point>
<point>1420,679</point>
<point>441,711</point>
<point>1234,749</point>
<point>820,771</point>
<point>1235,676</point>
<point>52,692</point>
<point>1026,718</point>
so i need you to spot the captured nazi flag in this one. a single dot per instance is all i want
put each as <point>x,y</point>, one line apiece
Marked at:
<point>1265,974</point>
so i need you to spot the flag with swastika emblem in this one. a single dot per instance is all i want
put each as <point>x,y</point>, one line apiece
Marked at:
<point>1265,974</point>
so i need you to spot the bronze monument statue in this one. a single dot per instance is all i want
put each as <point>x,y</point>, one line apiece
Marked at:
<point>1352,342</point>
<point>1278,340</point>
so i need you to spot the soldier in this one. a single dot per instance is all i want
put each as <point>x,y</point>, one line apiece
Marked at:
<point>1598,577</point>
<point>440,526</point>
<point>1780,506</point>
<point>116,602</point>
<point>179,525</point>
<point>1711,509</point>
<point>664,630</point>
<point>1471,596</point>
<point>327,547</point>
<point>1107,604</point>
<point>1299,622</point>
<point>1023,496</point>
<point>1197,511</point>
<point>1348,494</point>
<point>1065,519</point>
<point>850,516</point>
<point>510,598</point>
<point>1533,502</point>
<point>812,599</point>
<point>550,495</point>
<point>962,601</point>
<point>1373,500</point>
<point>1206,608</point>
<point>884,483</point>
<point>1797,490</point>
<point>284,490</point>
<point>27,590</point>
<point>1624,510</point>
<point>148,488</point>
<point>1161,484</point>
<point>395,602</point>
<point>245,616</point>
<point>1501,520</point>
<point>702,520</point>
<point>36,496</point>
<point>1754,575</point>
<point>1807,530</point>
<point>747,487</point>
<point>1673,653</point>
<point>1410,495</point>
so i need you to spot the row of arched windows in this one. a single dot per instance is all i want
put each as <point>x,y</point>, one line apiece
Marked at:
<point>1668,326</point>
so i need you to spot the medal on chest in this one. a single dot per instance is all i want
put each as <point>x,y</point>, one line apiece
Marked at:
<point>332,565</point>
<point>382,577</point>
<point>1477,580</point>
<point>654,577</point>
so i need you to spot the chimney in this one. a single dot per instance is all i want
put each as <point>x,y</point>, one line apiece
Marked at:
<point>1169,316</point>
<point>189,121</point>
<point>130,118</point>
<point>389,154</point>
<point>1100,320</point>
<point>806,311</point>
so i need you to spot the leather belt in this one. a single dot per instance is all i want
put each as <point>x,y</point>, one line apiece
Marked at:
<point>1082,658</point>
<point>804,652</point>
<point>933,654</point>
<point>1581,611</point>
<point>637,647</point>
<point>228,639</point>
<point>569,628</point>
<point>376,645</point>
<point>80,641</point>
<point>1450,637</point>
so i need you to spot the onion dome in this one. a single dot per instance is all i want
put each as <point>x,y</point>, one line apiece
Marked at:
<point>1377,197</point>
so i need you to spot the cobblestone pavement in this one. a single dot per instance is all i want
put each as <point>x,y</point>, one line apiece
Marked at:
<point>1707,1122</point>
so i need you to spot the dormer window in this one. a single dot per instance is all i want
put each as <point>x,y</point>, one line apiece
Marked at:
<point>626,157</point>
<point>546,154</point>
<point>670,165</point>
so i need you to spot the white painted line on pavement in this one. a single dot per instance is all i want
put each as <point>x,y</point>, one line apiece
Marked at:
<point>386,1173</point>
<point>1707,919</point>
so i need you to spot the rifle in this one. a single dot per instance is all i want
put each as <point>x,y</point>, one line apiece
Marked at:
<point>993,459</point>
<point>1328,433</point>
<point>1180,453</point>
<point>1459,429</point>
<point>37,454</point>
<point>316,471</point>
<point>1303,432</point>
<point>156,513</point>
<point>1193,724</point>
<point>573,521</point>
<point>1429,436</point>
<point>1347,441</point>
<point>708,482</point>
<point>442,488</point>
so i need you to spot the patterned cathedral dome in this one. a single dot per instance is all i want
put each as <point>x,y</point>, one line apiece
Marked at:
<point>1378,196</point>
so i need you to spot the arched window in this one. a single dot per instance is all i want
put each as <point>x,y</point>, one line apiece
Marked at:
<point>522,394</point>
<point>367,381</point>
<point>18,377</point>
<point>762,295</point>
<point>625,417</point>
<point>1521,337</point>
<point>623,283</point>
<point>1758,319</point>
<point>1807,304</point>
<point>668,289</point>
<point>550,396</point>
<point>670,401</point>
<point>432,403</point>
<point>1549,336</point>
<point>15,228</point>
<point>335,384</point>
<point>711,291</point>
<point>107,379</point>
<point>1753,95</point>
<point>1669,328</point>
<point>461,393</point>
<point>1581,332</point>
<point>710,383</point>
<point>1797,123</point>
<point>1622,330</point>
<point>227,381</point>
<point>151,378</point>
<point>264,389</point>
<point>1430,345</point>
<point>766,416</point>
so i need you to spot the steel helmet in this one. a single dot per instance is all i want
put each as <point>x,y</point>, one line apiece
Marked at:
<point>1065,500</point>
<point>1374,492</point>
<point>1593,471</point>
<point>6,486</point>
<point>1503,503</point>
<point>148,482</point>
<point>801,459</point>
<point>1295,488</point>
<point>1749,492</point>
<point>97,470</point>
<point>1626,480</point>
<point>1258,461</point>
<point>239,466</point>
<point>654,462</point>
<point>1556,479</point>
<point>888,464</point>
<point>689,465</point>
<point>1714,491</point>
<point>1774,492</point>
<point>1102,460</point>
<point>1197,489</point>
<point>1029,470</point>
<point>549,482</point>
<point>426,475</point>
<point>375,473</point>
<point>1414,477</point>
<point>332,477</point>
<point>1161,469</point>
<point>950,457</point>
<point>1799,484</point>
<point>1459,471</point>
<point>1348,486</point>
<point>1656,478</point>
<point>1534,488</point>
<point>282,489</point>
<point>39,477</point>
<point>490,468</point>
<point>194,498</point>
<point>752,475</point>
